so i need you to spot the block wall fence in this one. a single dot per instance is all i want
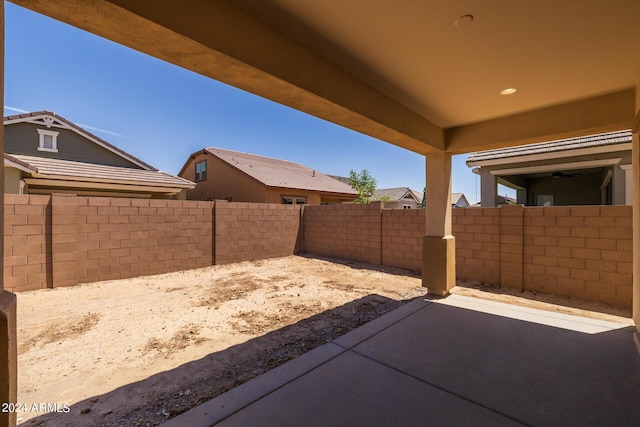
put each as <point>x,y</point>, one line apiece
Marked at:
<point>581,251</point>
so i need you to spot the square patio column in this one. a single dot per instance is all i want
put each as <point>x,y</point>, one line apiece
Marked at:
<point>636,226</point>
<point>635,182</point>
<point>8,335</point>
<point>488,189</point>
<point>438,245</point>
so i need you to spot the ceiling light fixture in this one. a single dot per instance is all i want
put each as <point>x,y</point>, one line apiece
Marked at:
<point>463,21</point>
<point>508,91</point>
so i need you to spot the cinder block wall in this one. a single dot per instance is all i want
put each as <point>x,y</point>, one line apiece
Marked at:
<point>402,232</point>
<point>122,238</point>
<point>583,252</point>
<point>580,251</point>
<point>252,231</point>
<point>27,251</point>
<point>477,233</point>
<point>347,231</point>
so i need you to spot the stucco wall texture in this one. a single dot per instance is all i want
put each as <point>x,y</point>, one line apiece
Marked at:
<point>583,252</point>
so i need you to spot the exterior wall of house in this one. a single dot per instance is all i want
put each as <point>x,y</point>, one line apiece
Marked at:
<point>579,190</point>
<point>223,182</point>
<point>23,138</point>
<point>565,188</point>
<point>274,195</point>
<point>12,177</point>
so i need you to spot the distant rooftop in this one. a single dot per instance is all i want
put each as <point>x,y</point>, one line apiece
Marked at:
<point>398,193</point>
<point>281,173</point>
<point>56,168</point>
<point>603,139</point>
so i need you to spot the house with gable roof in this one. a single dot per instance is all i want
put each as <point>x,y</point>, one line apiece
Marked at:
<point>46,154</point>
<point>399,197</point>
<point>588,170</point>
<point>222,174</point>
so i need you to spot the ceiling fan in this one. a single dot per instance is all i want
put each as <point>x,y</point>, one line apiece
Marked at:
<point>560,174</point>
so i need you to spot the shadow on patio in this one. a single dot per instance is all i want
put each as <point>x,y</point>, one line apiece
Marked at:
<point>454,361</point>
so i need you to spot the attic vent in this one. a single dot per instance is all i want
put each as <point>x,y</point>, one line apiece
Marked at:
<point>48,140</point>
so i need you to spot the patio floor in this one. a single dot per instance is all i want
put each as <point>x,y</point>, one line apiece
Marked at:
<point>453,361</point>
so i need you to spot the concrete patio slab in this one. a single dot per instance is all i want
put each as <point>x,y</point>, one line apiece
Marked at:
<point>453,361</point>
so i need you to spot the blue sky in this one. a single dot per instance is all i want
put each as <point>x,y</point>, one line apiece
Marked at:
<point>161,113</point>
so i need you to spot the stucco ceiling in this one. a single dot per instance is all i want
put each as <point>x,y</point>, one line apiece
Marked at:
<point>401,70</point>
<point>551,51</point>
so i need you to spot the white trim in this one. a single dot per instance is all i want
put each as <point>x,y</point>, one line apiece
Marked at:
<point>42,121</point>
<point>553,155</point>
<point>11,164</point>
<point>558,166</point>
<point>628,184</point>
<point>42,176</point>
<point>43,133</point>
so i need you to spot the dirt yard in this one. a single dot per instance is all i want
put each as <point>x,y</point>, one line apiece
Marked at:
<point>136,352</point>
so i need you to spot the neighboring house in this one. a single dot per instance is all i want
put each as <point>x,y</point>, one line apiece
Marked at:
<point>501,200</point>
<point>240,177</point>
<point>458,200</point>
<point>590,170</point>
<point>406,198</point>
<point>45,154</point>
<point>399,197</point>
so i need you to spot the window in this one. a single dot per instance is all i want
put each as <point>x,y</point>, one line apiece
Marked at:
<point>201,170</point>
<point>48,140</point>
<point>290,200</point>
<point>406,206</point>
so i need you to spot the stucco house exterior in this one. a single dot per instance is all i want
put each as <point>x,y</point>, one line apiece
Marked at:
<point>222,174</point>
<point>46,154</point>
<point>589,170</point>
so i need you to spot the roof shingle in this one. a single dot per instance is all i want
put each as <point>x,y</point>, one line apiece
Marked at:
<point>603,139</point>
<point>281,173</point>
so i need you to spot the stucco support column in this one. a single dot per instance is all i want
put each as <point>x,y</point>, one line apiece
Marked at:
<point>488,189</point>
<point>438,245</point>
<point>635,159</point>
<point>8,346</point>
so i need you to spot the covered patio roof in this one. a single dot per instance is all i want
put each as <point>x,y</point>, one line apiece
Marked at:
<point>425,76</point>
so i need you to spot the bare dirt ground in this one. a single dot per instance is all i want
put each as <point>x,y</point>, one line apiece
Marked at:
<point>136,352</point>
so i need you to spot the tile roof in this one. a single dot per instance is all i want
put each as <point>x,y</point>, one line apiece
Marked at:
<point>281,173</point>
<point>88,172</point>
<point>603,139</point>
<point>26,116</point>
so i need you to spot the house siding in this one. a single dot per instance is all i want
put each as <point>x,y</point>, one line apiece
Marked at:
<point>223,182</point>
<point>23,138</point>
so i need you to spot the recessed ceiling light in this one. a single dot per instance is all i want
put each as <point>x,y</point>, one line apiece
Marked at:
<point>508,91</point>
<point>463,20</point>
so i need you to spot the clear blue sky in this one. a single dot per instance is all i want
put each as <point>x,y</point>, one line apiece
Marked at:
<point>161,113</point>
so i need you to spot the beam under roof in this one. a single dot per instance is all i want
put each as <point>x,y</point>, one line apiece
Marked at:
<point>219,40</point>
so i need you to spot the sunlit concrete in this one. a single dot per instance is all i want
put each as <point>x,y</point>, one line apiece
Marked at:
<point>455,361</point>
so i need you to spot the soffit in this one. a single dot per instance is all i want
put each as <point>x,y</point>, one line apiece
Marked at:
<point>552,52</point>
<point>399,70</point>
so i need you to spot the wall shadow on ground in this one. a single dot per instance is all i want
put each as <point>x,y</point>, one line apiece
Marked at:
<point>357,265</point>
<point>218,372</point>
